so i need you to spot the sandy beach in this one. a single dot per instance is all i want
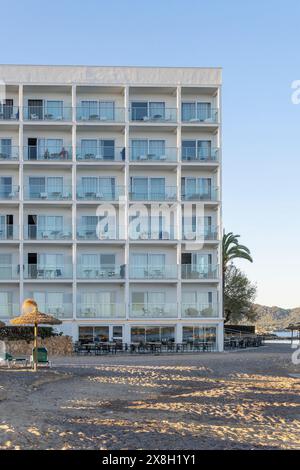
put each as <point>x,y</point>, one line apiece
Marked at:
<point>248,399</point>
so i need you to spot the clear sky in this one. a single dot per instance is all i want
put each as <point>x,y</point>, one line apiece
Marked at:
<point>258,45</point>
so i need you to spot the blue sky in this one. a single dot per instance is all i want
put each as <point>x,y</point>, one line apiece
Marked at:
<point>256,43</point>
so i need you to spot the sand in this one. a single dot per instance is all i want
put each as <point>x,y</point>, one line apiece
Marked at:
<point>248,399</point>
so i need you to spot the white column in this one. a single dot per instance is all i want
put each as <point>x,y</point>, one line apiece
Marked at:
<point>126,208</point>
<point>21,195</point>
<point>73,209</point>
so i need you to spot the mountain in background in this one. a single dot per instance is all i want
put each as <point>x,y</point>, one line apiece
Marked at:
<point>275,317</point>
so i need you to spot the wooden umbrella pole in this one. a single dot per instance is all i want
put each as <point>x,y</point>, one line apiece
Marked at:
<point>35,348</point>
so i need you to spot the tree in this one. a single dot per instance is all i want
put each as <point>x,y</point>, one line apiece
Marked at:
<point>232,249</point>
<point>239,296</point>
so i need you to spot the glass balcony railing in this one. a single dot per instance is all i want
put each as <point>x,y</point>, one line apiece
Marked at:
<point>190,271</point>
<point>100,114</point>
<point>143,114</point>
<point>44,194</point>
<point>169,154</point>
<point>9,310</point>
<point>91,232</point>
<point>153,234</point>
<point>99,310</point>
<point>100,272</point>
<point>9,152</point>
<point>9,113</point>
<point>210,115</point>
<point>105,154</point>
<point>33,153</point>
<point>209,195</point>
<point>9,232</point>
<point>154,272</point>
<point>33,232</point>
<point>201,233</point>
<point>105,193</point>
<point>47,113</point>
<point>33,271</point>
<point>195,310</point>
<point>8,191</point>
<point>190,154</point>
<point>143,311</point>
<point>168,193</point>
<point>58,311</point>
<point>9,272</point>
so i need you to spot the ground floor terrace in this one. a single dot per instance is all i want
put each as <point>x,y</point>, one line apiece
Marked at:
<point>205,334</point>
<point>245,399</point>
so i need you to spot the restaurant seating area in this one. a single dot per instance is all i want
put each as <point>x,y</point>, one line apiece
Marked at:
<point>107,347</point>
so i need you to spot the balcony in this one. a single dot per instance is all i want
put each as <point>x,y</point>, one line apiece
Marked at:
<point>143,114</point>
<point>190,154</point>
<point>9,232</point>
<point>9,192</point>
<point>91,232</point>
<point>33,271</point>
<point>33,193</point>
<point>9,113</point>
<point>34,153</point>
<point>168,193</point>
<point>8,311</point>
<point>62,312</point>
<point>194,310</point>
<point>152,234</point>
<point>198,116</point>
<point>198,195</point>
<point>101,311</point>
<point>207,233</point>
<point>100,114</point>
<point>154,272</point>
<point>169,154</point>
<point>153,311</point>
<point>33,232</point>
<point>9,153</point>
<point>194,272</point>
<point>105,154</point>
<point>47,113</point>
<point>9,272</point>
<point>108,193</point>
<point>102,272</point>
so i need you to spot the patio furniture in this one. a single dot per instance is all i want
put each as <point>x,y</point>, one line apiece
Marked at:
<point>41,356</point>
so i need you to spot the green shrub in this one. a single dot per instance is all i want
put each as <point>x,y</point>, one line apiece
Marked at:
<point>18,333</point>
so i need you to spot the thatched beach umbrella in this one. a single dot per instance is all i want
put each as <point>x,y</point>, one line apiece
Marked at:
<point>32,316</point>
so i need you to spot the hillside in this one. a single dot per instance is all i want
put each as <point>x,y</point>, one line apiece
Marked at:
<point>275,317</point>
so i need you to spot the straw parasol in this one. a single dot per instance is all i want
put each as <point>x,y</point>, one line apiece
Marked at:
<point>32,316</point>
<point>2,324</point>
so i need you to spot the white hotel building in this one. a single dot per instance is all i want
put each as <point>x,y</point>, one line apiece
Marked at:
<point>73,138</point>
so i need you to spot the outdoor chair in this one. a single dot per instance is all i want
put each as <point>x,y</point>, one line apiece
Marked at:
<point>42,356</point>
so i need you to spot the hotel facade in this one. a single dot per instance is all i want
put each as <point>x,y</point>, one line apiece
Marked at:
<point>110,200</point>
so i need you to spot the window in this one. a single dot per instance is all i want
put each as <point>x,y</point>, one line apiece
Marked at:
<point>54,109</point>
<point>98,110</point>
<point>39,185</point>
<point>196,188</point>
<point>164,334</point>
<point>144,110</point>
<point>5,266</point>
<point>49,148</point>
<point>5,186</point>
<point>5,304</point>
<point>103,187</point>
<point>148,188</point>
<point>196,111</point>
<point>5,148</point>
<point>193,334</point>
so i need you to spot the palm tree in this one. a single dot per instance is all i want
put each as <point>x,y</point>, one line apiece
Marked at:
<point>231,249</point>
